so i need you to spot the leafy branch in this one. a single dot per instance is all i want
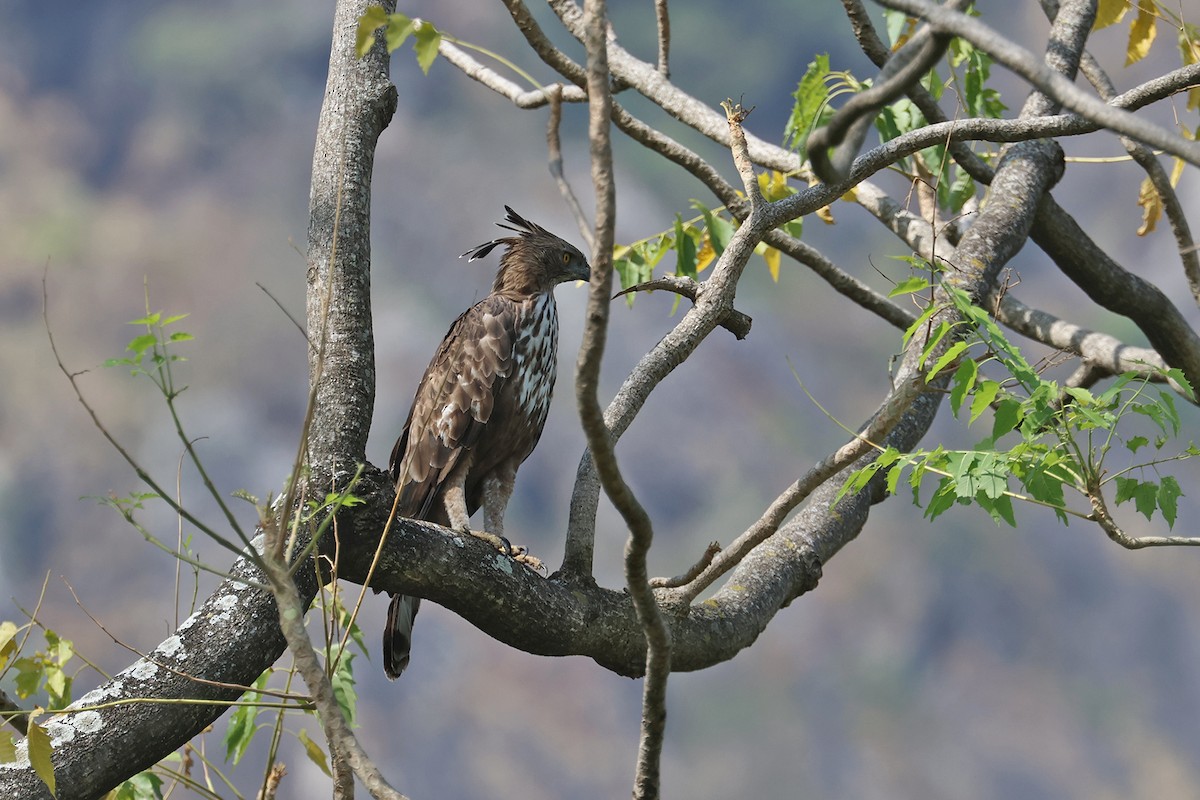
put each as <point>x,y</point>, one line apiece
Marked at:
<point>1065,435</point>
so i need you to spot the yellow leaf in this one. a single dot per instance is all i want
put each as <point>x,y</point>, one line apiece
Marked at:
<point>1110,12</point>
<point>1151,204</point>
<point>1177,171</point>
<point>39,754</point>
<point>772,257</point>
<point>705,256</point>
<point>825,214</point>
<point>1141,33</point>
<point>313,751</point>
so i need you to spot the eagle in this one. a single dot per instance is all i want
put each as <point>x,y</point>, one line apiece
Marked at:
<point>482,403</point>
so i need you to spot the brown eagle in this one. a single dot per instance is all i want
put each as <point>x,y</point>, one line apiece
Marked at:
<point>481,405</point>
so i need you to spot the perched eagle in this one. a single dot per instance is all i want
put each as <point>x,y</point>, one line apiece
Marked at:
<point>482,403</point>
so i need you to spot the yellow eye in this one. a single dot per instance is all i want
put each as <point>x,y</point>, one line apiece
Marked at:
<point>566,258</point>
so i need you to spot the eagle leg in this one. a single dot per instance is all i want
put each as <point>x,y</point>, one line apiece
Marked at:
<point>460,519</point>
<point>497,489</point>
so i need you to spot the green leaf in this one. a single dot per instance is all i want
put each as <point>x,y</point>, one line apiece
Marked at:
<point>685,250</point>
<point>372,20</point>
<point>1136,443</point>
<point>139,345</point>
<point>1168,496</point>
<point>1145,498</point>
<point>812,104</point>
<point>1125,489</point>
<point>910,285</point>
<point>243,721</point>
<point>143,786</point>
<point>29,676</point>
<point>8,747</point>
<point>427,40</point>
<point>999,508</point>
<point>343,688</point>
<point>180,336</point>
<point>314,752</point>
<point>39,754</point>
<point>985,393</point>
<point>962,383</point>
<point>399,28</point>
<point>952,352</point>
<point>174,318</point>
<point>1006,418</point>
<point>150,319</point>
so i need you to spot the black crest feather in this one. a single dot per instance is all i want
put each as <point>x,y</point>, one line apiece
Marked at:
<point>522,226</point>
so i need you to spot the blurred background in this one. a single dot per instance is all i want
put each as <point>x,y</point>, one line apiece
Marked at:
<point>163,149</point>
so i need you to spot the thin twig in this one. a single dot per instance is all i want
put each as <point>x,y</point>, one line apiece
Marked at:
<point>1101,516</point>
<point>300,700</point>
<point>693,571</point>
<point>881,423</point>
<point>13,714</point>
<point>554,148</point>
<point>286,313</point>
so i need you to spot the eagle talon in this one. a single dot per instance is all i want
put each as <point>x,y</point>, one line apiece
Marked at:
<point>533,562</point>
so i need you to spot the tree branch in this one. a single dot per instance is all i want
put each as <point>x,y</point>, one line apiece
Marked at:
<point>1047,80</point>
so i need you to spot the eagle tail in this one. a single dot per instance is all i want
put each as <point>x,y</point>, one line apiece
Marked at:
<point>397,633</point>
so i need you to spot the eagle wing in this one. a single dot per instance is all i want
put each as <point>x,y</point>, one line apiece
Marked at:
<point>453,403</point>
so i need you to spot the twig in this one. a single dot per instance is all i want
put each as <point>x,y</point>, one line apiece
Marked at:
<point>300,700</point>
<point>663,17</point>
<point>340,737</point>
<point>735,321</point>
<point>13,714</point>
<point>709,554</point>
<point>286,313</point>
<point>881,423</point>
<point>554,148</point>
<point>1101,516</point>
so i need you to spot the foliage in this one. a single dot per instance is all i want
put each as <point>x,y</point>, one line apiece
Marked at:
<point>1061,437</point>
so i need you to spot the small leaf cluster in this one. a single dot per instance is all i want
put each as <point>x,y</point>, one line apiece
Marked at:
<point>150,352</point>
<point>42,672</point>
<point>396,30</point>
<point>699,241</point>
<point>1061,436</point>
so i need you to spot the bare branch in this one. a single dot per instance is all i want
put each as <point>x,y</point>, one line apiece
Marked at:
<point>521,98</point>
<point>554,148</point>
<point>735,321</point>
<point>587,374</point>
<point>687,577</point>
<point>349,758</point>
<point>663,18</point>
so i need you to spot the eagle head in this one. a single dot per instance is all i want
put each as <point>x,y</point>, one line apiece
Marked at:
<point>535,260</point>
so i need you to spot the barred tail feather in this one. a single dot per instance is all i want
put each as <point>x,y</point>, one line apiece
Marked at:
<point>397,634</point>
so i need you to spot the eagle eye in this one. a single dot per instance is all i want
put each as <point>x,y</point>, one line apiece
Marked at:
<point>566,258</point>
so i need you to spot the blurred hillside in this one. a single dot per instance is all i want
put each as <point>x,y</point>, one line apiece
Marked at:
<point>164,149</point>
